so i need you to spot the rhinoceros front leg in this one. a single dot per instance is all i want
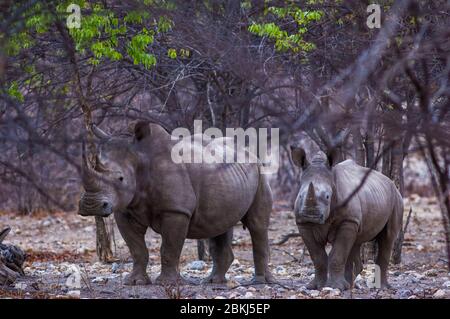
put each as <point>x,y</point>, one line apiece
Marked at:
<point>257,221</point>
<point>343,243</point>
<point>319,258</point>
<point>174,228</point>
<point>134,235</point>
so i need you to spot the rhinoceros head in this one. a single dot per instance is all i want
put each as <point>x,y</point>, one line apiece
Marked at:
<point>313,200</point>
<point>109,183</point>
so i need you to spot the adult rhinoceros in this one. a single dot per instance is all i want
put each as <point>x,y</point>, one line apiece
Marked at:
<point>373,213</point>
<point>140,183</point>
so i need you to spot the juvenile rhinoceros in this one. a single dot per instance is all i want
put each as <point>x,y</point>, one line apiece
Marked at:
<point>144,187</point>
<point>373,213</point>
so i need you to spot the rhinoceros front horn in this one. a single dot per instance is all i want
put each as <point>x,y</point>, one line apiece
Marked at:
<point>88,175</point>
<point>310,201</point>
<point>4,233</point>
<point>99,133</point>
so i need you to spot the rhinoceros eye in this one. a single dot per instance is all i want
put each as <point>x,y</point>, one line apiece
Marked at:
<point>121,178</point>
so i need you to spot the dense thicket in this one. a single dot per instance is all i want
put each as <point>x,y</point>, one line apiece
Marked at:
<point>308,67</point>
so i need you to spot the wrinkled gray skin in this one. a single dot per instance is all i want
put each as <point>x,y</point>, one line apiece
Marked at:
<point>143,187</point>
<point>374,213</point>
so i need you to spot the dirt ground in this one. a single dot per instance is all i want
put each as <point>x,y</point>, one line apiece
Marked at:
<point>62,262</point>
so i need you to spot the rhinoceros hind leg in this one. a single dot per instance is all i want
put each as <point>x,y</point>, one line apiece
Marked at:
<point>222,256</point>
<point>385,240</point>
<point>257,222</point>
<point>136,279</point>
<point>134,235</point>
<point>354,265</point>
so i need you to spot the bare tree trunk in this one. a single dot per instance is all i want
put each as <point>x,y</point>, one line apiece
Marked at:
<point>358,147</point>
<point>103,241</point>
<point>386,161</point>
<point>397,165</point>
<point>396,175</point>
<point>364,155</point>
<point>441,185</point>
<point>369,145</point>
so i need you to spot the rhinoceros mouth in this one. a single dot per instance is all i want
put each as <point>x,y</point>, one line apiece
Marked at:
<point>310,219</point>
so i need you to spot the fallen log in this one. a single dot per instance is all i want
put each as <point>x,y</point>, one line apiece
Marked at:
<point>11,260</point>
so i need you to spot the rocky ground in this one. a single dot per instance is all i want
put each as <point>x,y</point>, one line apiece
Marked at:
<point>62,264</point>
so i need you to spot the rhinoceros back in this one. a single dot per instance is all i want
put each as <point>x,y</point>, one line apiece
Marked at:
<point>224,191</point>
<point>373,204</point>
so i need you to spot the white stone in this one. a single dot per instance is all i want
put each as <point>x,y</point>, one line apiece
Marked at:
<point>447,284</point>
<point>73,293</point>
<point>73,275</point>
<point>115,267</point>
<point>20,286</point>
<point>248,295</point>
<point>314,293</point>
<point>233,295</point>
<point>46,223</point>
<point>197,265</point>
<point>99,280</point>
<point>335,292</point>
<point>439,294</point>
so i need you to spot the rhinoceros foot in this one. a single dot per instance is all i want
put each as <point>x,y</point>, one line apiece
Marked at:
<point>267,279</point>
<point>136,279</point>
<point>340,283</point>
<point>316,284</point>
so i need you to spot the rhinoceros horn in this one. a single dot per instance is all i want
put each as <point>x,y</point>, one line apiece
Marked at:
<point>99,133</point>
<point>89,176</point>
<point>4,233</point>
<point>310,201</point>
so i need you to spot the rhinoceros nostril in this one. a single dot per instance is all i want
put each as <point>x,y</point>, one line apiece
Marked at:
<point>105,205</point>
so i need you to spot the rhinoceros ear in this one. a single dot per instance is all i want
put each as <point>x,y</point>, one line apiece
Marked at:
<point>298,156</point>
<point>331,157</point>
<point>142,130</point>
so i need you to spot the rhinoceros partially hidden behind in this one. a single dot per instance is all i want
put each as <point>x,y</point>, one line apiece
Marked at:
<point>375,212</point>
<point>141,184</point>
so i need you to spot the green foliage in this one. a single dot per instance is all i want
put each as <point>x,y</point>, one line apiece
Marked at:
<point>14,92</point>
<point>172,53</point>
<point>137,49</point>
<point>102,35</point>
<point>39,22</point>
<point>164,24</point>
<point>283,40</point>
<point>137,17</point>
<point>17,42</point>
